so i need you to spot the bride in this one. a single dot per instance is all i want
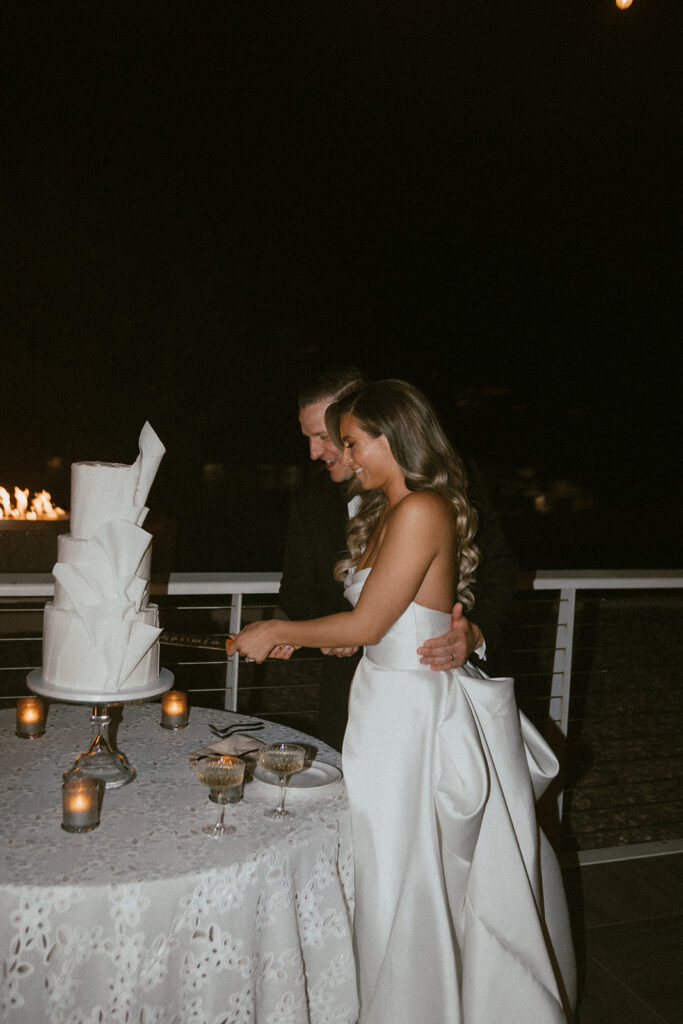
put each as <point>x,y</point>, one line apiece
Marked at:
<point>460,913</point>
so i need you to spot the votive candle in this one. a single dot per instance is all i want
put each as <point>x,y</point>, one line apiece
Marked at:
<point>30,717</point>
<point>174,710</point>
<point>80,804</point>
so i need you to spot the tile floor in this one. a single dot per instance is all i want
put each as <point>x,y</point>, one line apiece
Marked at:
<point>627,918</point>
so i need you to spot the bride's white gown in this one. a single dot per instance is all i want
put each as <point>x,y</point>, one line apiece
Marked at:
<point>460,911</point>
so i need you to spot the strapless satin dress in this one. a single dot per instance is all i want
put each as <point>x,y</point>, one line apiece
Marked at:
<point>460,914</point>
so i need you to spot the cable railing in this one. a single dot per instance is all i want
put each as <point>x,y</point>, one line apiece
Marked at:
<point>567,585</point>
<point>595,655</point>
<point>220,603</point>
<point>210,604</point>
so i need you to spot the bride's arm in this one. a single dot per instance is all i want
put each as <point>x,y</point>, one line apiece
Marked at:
<point>415,530</point>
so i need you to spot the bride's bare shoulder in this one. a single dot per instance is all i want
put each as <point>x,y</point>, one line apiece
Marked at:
<point>425,505</point>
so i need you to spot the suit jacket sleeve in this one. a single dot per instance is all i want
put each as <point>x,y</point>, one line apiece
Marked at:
<point>316,535</point>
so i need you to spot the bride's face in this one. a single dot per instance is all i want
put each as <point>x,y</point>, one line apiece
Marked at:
<point>369,458</point>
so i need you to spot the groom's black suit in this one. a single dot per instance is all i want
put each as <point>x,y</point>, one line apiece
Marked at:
<point>316,536</point>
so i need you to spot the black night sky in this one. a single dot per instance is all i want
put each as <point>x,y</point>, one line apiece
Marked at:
<point>203,201</point>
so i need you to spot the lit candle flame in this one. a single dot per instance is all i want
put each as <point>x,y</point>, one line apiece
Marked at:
<point>30,717</point>
<point>174,702</point>
<point>29,710</point>
<point>79,801</point>
<point>80,804</point>
<point>174,712</point>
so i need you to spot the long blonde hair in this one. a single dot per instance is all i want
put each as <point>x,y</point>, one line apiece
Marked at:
<point>426,458</point>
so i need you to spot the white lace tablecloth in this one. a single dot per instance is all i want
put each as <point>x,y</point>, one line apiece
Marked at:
<point>145,919</point>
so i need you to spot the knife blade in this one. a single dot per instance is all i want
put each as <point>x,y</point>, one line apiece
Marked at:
<point>199,642</point>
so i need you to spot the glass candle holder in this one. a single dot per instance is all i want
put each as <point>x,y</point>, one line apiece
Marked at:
<point>80,804</point>
<point>30,717</point>
<point>174,710</point>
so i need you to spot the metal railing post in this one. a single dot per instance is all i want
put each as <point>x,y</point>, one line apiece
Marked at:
<point>233,662</point>
<point>562,660</point>
<point>562,669</point>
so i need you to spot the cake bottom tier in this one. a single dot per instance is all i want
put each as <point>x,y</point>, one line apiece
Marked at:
<point>125,657</point>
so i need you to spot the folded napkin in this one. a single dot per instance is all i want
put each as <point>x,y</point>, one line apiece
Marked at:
<point>239,744</point>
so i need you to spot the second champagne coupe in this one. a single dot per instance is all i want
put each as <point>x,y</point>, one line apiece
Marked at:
<point>283,759</point>
<point>221,774</point>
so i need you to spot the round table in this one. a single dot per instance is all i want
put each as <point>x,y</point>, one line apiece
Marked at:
<point>145,919</point>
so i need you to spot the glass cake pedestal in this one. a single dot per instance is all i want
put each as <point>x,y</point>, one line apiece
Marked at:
<point>101,761</point>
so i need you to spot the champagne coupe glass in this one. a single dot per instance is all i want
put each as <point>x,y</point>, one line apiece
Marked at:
<point>283,759</point>
<point>220,773</point>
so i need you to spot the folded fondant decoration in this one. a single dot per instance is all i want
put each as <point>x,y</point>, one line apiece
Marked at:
<point>101,491</point>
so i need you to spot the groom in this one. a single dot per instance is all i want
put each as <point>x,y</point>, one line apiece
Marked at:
<point>316,538</point>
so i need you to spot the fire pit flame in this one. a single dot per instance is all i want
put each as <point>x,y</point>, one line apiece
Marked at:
<point>40,507</point>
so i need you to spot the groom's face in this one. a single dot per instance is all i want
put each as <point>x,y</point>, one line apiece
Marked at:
<point>320,444</point>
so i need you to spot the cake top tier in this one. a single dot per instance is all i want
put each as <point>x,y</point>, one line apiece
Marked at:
<point>102,491</point>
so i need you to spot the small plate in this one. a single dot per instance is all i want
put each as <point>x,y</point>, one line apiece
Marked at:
<point>320,773</point>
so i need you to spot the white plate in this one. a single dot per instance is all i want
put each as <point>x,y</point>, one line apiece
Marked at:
<point>318,774</point>
<point>39,685</point>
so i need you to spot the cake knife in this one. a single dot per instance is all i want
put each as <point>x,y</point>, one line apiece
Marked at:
<point>204,643</point>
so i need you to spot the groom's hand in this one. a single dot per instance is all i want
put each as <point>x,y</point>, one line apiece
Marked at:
<point>453,648</point>
<point>339,652</point>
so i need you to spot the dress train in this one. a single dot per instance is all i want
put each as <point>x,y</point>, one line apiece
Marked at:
<point>460,912</point>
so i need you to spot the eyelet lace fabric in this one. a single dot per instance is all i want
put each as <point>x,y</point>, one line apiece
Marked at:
<point>147,921</point>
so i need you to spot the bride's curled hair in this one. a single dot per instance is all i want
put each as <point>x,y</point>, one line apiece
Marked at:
<point>408,421</point>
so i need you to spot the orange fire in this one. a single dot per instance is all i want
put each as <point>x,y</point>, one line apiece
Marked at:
<point>40,507</point>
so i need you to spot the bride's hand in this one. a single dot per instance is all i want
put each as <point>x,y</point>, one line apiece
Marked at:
<point>255,641</point>
<point>283,651</point>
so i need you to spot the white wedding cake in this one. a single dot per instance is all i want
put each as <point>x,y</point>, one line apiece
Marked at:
<point>100,633</point>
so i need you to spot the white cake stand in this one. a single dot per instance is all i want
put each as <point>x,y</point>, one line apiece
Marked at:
<point>101,760</point>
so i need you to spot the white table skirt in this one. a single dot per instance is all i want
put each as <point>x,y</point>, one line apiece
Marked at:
<point>145,919</point>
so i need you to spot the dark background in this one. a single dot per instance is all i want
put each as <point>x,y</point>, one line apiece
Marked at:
<point>202,202</point>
